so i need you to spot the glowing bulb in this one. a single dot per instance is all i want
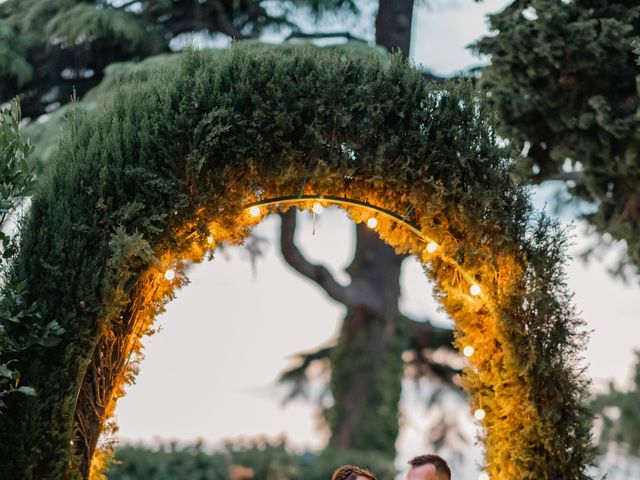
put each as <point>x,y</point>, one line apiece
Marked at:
<point>372,222</point>
<point>468,351</point>
<point>483,476</point>
<point>317,208</point>
<point>169,274</point>
<point>255,211</point>
<point>475,289</point>
<point>479,414</point>
<point>209,239</point>
<point>432,247</point>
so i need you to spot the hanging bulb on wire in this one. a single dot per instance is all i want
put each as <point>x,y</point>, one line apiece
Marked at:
<point>372,222</point>
<point>255,211</point>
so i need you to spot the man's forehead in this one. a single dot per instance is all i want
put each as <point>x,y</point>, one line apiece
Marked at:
<point>425,472</point>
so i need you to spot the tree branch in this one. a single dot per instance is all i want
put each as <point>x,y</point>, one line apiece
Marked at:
<point>346,35</point>
<point>126,5</point>
<point>318,273</point>
<point>427,335</point>
<point>425,339</point>
<point>297,377</point>
<point>226,26</point>
<point>574,176</point>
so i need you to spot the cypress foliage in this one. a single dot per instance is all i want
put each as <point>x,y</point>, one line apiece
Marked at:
<point>140,186</point>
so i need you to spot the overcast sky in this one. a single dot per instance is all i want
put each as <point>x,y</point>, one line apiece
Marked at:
<point>210,372</point>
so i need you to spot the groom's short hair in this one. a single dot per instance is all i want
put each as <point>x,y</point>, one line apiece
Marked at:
<point>351,472</point>
<point>438,462</point>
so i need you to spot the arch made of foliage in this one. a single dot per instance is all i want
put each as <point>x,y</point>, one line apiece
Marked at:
<point>163,172</point>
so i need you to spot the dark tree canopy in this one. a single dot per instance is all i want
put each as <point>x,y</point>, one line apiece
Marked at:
<point>564,79</point>
<point>51,49</point>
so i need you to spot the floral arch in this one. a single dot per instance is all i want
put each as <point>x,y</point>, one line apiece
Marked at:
<point>166,170</point>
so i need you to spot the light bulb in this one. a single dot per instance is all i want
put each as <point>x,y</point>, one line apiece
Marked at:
<point>317,208</point>
<point>468,351</point>
<point>209,239</point>
<point>255,211</point>
<point>479,414</point>
<point>483,476</point>
<point>372,222</point>
<point>169,274</point>
<point>475,289</point>
<point>432,247</point>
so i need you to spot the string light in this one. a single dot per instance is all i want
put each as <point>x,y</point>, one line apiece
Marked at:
<point>169,274</point>
<point>372,222</point>
<point>468,351</point>
<point>479,414</point>
<point>209,239</point>
<point>255,211</point>
<point>483,476</point>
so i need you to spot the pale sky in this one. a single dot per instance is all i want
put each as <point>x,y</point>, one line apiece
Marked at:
<point>210,372</point>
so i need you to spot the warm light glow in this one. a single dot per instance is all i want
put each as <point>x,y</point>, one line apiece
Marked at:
<point>479,414</point>
<point>468,351</point>
<point>372,222</point>
<point>255,211</point>
<point>169,274</point>
<point>317,208</point>
<point>475,289</point>
<point>209,239</point>
<point>483,476</point>
<point>432,247</point>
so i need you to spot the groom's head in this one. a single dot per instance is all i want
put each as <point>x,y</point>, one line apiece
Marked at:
<point>428,467</point>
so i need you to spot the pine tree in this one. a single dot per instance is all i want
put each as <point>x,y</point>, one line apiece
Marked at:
<point>565,82</point>
<point>50,49</point>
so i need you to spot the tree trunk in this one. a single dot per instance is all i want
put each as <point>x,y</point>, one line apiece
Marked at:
<point>393,25</point>
<point>366,364</point>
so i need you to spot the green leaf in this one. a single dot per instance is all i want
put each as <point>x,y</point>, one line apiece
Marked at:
<point>29,391</point>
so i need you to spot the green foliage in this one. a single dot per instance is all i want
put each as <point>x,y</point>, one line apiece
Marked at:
<point>84,23</point>
<point>45,134</point>
<point>564,78</point>
<point>13,64</point>
<point>620,414</point>
<point>53,50</point>
<point>16,183</point>
<point>141,183</point>
<point>267,461</point>
<point>15,174</point>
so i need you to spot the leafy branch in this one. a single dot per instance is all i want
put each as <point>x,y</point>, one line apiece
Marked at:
<point>16,184</point>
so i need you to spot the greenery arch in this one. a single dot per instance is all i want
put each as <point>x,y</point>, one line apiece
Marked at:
<point>164,171</point>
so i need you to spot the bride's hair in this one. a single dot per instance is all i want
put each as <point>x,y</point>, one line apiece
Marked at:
<point>350,472</point>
